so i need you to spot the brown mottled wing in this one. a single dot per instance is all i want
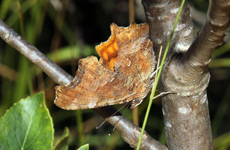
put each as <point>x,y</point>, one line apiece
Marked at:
<point>94,86</point>
<point>124,72</point>
<point>136,59</point>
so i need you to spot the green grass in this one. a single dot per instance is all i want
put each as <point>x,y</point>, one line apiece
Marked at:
<point>42,25</point>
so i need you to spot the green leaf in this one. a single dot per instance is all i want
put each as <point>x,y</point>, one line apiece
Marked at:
<point>62,143</point>
<point>84,147</point>
<point>27,125</point>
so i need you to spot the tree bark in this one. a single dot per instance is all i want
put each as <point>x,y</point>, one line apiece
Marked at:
<point>186,114</point>
<point>161,16</point>
<point>185,74</point>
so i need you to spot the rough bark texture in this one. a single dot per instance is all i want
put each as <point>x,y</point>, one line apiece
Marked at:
<point>186,113</point>
<point>129,131</point>
<point>161,16</point>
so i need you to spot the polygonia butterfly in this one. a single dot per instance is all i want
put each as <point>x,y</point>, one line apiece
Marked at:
<point>124,73</point>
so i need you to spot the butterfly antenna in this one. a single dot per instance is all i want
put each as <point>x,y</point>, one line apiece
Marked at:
<point>113,114</point>
<point>127,104</point>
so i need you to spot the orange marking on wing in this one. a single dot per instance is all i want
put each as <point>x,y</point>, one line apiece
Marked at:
<point>108,52</point>
<point>97,84</point>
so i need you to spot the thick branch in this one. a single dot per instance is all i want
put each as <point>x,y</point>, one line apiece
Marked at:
<point>161,16</point>
<point>186,115</point>
<point>129,131</point>
<point>212,34</point>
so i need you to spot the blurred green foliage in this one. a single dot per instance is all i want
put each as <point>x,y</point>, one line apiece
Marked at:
<point>69,30</point>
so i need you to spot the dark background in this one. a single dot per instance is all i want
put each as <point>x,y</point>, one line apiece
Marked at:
<point>69,30</point>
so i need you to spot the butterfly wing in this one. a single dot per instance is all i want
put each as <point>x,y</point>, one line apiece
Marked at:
<point>94,86</point>
<point>124,72</point>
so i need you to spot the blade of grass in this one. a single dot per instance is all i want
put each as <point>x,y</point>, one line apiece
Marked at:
<point>65,30</point>
<point>13,18</point>
<point>38,11</point>
<point>30,86</point>
<point>21,18</point>
<point>7,86</point>
<point>5,4</point>
<point>222,142</point>
<point>80,127</point>
<point>20,88</point>
<point>219,63</point>
<point>162,138</point>
<point>158,76</point>
<point>221,50</point>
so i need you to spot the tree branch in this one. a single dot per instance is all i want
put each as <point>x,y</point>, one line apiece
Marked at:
<point>212,33</point>
<point>161,16</point>
<point>34,55</point>
<point>186,114</point>
<point>128,130</point>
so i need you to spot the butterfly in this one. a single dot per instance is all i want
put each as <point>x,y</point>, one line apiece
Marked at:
<point>124,73</point>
